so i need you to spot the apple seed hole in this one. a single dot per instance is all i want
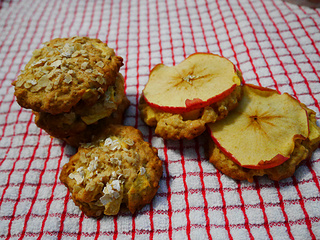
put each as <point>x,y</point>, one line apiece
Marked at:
<point>254,118</point>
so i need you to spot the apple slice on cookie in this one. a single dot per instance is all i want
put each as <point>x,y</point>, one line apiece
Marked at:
<point>198,81</point>
<point>263,130</point>
<point>180,100</point>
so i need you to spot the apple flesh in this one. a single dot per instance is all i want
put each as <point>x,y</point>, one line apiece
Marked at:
<point>200,80</point>
<point>261,132</point>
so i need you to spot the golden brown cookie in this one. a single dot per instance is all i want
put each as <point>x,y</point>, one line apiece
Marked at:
<point>64,72</point>
<point>189,124</point>
<point>302,151</point>
<point>119,167</point>
<point>76,122</point>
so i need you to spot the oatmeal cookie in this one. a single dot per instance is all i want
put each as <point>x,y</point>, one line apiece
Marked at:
<point>76,122</point>
<point>190,124</point>
<point>117,168</point>
<point>64,72</point>
<point>302,151</point>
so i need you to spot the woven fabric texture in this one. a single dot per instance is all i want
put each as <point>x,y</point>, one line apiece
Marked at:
<point>274,43</point>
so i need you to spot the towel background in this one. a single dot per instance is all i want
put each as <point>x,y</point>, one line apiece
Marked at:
<point>274,43</point>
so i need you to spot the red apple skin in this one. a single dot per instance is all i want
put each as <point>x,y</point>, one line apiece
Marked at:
<point>276,161</point>
<point>192,104</point>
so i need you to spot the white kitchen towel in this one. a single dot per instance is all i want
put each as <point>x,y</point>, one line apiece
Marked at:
<point>274,43</point>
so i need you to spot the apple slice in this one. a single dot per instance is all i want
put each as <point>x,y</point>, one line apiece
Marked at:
<point>198,81</point>
<point>261,132</point>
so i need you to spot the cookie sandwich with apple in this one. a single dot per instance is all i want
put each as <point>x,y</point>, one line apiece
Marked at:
<point>266,134</point>
<point>180,100</point>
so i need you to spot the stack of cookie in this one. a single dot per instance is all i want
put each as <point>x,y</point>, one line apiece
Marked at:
<point>74,88</point>
<point>76,92</point>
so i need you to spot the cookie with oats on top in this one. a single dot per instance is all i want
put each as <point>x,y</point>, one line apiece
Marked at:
<point>117,169</point>
<point>64,72</point>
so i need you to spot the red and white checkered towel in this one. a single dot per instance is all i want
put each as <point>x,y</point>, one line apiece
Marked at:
<point>274,43</point>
